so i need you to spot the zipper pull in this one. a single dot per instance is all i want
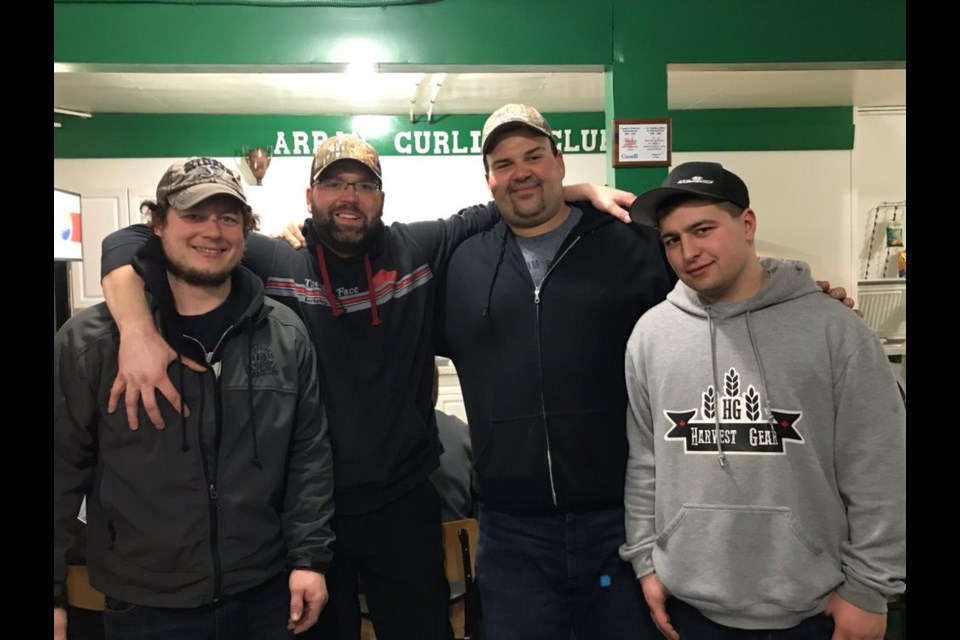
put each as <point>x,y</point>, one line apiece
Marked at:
<point>536,295</point>
<point>213,492</point>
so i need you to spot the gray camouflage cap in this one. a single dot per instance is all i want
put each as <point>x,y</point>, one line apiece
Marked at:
<point>513,114</point>
<point>344,146</point>
<point>191,181</point>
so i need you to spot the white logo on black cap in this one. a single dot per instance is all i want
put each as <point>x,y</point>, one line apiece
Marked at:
<point>695,180</point>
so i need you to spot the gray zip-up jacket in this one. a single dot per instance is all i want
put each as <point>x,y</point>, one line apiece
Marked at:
<point>767,462</point>
<point>214,504</point>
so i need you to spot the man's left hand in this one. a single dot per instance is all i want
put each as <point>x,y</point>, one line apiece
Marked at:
<point>839,293</point>
<point>616,202</point>
<point>293,235</point>
<point>853,623</point>
<point>308,594</point>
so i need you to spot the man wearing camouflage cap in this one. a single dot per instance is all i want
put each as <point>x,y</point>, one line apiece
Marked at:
<point>220,525</point>
<point>536,316</point>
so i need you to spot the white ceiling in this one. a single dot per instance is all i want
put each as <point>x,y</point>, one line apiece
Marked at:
<point>277,90</point>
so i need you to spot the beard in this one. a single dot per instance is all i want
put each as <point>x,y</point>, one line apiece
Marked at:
<point>345,242</point>
<point>197,278</point>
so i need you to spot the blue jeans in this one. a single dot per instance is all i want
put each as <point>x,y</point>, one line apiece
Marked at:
<point>543,575</point>
<point>693,625</point>
<point>260,613</point>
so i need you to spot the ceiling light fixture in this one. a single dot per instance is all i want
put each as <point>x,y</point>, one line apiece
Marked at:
<point>437,85</point>
<point>371,127</point>
<point>71,112</point>
<point>361,69</point>
<point>413,96</point>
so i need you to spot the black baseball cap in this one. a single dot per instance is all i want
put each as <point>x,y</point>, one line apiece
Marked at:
<point>706,179</point>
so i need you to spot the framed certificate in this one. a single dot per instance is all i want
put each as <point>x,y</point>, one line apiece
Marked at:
<point>642,142</point>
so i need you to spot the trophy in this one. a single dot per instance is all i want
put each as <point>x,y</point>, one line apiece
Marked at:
<point>258,160</point>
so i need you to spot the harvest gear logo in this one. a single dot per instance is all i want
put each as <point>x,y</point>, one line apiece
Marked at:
<point>735,420</point>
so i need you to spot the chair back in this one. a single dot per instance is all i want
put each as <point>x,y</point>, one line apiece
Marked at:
<point>459,562</point>
<point>460,551</point>
<point>79,592</point>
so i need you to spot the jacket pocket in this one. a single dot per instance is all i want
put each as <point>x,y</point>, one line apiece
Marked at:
<point>729,557</point>
<point>589,452</point>
<point>512,464</point>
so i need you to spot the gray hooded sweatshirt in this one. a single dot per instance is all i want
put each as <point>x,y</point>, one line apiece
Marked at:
<point>767,465</point>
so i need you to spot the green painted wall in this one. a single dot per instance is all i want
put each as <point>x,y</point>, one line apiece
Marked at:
<point>649,34</point>
<point>633,40</point>
<point>485,32</point>
<point>453,32</point>
<point>117,135</point>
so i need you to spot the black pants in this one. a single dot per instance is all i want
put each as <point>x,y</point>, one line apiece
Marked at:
<point>397,551</point>
<point>693,625</point>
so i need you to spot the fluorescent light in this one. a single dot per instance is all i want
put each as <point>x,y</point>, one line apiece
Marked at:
<point>70,112</point>
<point>361,69</point>
<point>371,127</point>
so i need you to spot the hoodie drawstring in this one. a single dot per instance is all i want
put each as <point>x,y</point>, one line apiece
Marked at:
<point>721,456</point>
<point>374,313</point>
<point>336,307</point>
<point>184,445</point>
<point>763,377</point>
<point>253,422</point>
<point>184,442</point>
<point>768,412</point>
<point>496,271</point>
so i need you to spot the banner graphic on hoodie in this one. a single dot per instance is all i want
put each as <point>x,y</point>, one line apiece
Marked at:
<point>739,421</point>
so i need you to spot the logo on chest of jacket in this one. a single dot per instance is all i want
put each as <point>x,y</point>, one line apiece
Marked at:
<point>262,362</point>
<point>735,421</point>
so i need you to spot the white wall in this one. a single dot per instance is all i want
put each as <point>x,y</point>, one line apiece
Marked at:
<point>879,175</point>
<point>802,200</point>
<point>416,188</point>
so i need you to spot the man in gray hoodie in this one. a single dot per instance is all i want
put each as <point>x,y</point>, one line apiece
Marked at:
<point>766,479</point>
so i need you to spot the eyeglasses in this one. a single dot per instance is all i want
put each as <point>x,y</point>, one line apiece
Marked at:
<point>334,184</point>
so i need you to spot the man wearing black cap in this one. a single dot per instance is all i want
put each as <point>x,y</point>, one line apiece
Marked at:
<point>536,314</point>
<point>765,491</point>
<point>366,292</point>
<point>220,525</point>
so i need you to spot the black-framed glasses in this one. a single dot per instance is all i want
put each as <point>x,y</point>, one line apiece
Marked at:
<point>335,184</point>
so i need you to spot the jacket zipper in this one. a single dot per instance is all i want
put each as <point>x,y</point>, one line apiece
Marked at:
<point>214,502</point>
<point>543,401</point>
<point>213,497</point>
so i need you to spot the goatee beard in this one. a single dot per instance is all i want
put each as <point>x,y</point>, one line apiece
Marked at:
<point>198,278</point>
<point>353,243</point>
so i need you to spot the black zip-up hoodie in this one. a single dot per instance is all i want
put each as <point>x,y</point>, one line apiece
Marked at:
<point>542,370</point>
<point>216,503</point>
<point>375,351</point>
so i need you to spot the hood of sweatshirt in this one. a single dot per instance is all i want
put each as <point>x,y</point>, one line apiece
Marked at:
<point>789,279</point>
<point>150,264</point>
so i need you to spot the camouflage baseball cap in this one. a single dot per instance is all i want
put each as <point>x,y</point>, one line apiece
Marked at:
<point>511,114</point>
<point>191,181</point>
<point>344,146</point>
